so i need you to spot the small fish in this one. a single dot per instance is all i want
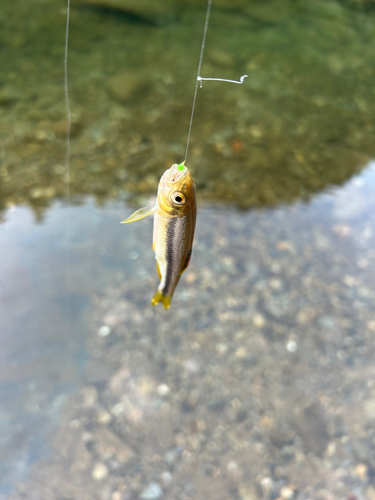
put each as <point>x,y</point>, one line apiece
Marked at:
<point>174,224</point>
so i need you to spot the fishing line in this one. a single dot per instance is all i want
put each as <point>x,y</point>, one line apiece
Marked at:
<point>67,103</point>
<point>200,79</point>
<point>199,70</point>
<point>67,161</point>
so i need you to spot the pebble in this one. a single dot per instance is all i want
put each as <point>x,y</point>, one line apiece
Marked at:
<point>233,468</point>
<point>163,390</point>
<point>369,408</point>
<point>241,353</point>
<point>276,284</point>
<point>123,86</point>
<point>191,366</point>
<point>370,493</point>
<point>87,437</point>
<point>104,417</point>
<point>350,281</point>
<point>248,492</point>
<point>371,326</point>
<point>331,449</point>
<point>286,493</point>
<point>292,346</point>
<point>145,385</point>
<point>222,348</point>
<point>258,321</point>
<point>311,426</point>
<point>327,322</point>
<point>362,263</point>
<point>361,471</point>
<point>172,456</point>
<point>74,424</point>
<point>99,472</point>
<point>306,315</point>
<point>166,478</point>
<point>267,485</point>
<point>104,331</point>
<point>90,396</point>
<point>152,492</point>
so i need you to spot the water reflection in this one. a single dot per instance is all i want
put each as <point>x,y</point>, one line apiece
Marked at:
<point>262,367</point>
<point>302,121</point>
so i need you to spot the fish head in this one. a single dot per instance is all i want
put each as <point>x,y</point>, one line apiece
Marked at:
<point>176,190</point>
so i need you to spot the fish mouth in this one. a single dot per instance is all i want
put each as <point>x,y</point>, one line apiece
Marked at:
<point>175,174</point>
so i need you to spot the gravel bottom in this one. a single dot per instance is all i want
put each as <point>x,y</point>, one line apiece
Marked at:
<point>258,383</point>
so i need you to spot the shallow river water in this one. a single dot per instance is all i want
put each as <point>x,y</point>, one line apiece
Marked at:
<point>259,382</point>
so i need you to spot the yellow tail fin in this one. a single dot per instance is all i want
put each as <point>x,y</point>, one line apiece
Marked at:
<point>159,297</point>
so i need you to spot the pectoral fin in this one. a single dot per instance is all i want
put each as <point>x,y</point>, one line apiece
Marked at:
<point>139,214</point>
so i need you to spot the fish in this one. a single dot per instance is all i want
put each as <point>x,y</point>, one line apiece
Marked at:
<point>175,213</point>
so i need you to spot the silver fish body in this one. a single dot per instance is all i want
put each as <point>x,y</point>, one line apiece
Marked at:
<point>174,225</point>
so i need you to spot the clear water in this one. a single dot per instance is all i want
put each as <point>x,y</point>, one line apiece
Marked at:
<point>259,381</point>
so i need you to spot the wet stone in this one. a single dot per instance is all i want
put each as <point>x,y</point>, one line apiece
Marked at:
<point>187,406</point>
<point>108,444</point>
<point>123,86</point>
<point>8,96</point>
<point>99,472</point>
<point>258,320</point>
<point>166,478</point>
<point>267,484</point>
<point>104,331</point>
<point>218,406</point>
<point>248,492</point>
<point>172,456</point>
<point>104,417</point>
<point>312,428</point>
<point>278,305</point>
<point>369,408</point>
<point>90,397</point>
<point>151,11</point>
<point>364,451</point>
<point>282,435</point>
<point>286,493</point>
<point>152,492</point>
<point>370,493</point>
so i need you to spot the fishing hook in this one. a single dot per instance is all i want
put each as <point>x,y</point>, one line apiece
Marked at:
<point>240,81</point>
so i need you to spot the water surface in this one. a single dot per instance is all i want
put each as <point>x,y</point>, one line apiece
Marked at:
<point>259,382</point>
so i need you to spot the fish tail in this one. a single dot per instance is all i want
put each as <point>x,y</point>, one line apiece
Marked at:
<point>159,297</point>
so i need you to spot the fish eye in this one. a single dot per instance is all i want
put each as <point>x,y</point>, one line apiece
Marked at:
<point>178,198</point>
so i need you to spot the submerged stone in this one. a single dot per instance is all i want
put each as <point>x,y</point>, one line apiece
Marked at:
<point>152,492</point>
<point>152,11</point>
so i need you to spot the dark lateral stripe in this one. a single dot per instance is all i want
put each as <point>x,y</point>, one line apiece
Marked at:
<point>171,234</point>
